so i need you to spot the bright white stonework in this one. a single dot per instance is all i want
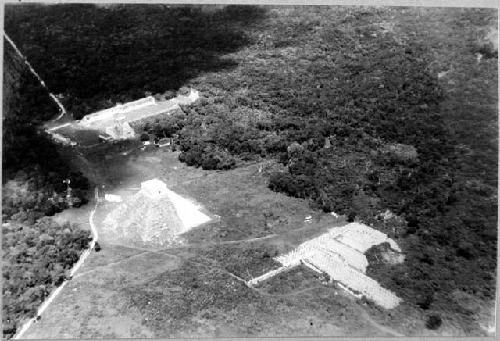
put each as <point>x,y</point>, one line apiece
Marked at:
<point>153,215</point>
<point>188,212</point>
<point>340,254</point>
<point>111,120</point>
<point>120,109</point>
<point>154,189</point>
<point>112,198</point>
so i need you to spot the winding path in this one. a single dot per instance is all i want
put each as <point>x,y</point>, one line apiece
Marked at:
<point>86,253</point>
<point>73,270</point>
<point>62,110</point>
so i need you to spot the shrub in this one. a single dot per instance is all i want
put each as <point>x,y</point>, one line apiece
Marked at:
<point>296,186</point>
<point>351,216</point>
<point>433,322</point>
<point>207,156</point>
<point>488,50</point>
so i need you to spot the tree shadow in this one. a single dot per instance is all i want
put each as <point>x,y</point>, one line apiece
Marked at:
<point>96,55</point>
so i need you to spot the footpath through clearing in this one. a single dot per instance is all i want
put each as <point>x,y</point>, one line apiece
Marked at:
<point>73,271</point>
<point>86,253</point>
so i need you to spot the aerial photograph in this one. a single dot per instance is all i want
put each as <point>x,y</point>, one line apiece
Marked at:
<point>243,170</point>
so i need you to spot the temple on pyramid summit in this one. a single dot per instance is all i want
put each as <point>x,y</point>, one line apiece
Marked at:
<point>153,216</point>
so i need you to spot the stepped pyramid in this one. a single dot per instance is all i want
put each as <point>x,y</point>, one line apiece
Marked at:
<point>148,217</point>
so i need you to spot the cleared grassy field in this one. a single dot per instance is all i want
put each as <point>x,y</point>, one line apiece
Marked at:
<point>194,290</point>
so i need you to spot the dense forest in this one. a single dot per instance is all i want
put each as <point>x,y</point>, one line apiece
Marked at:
<point>356,115</point>
<point>28,153</point>
<point>36,258</point>
<point>36,251</point>
<point>157,47</point>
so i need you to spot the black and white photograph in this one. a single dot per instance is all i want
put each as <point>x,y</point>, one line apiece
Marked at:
<point>249,170</point>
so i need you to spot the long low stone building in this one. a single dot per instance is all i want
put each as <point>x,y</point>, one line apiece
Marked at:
<point>134,111</point>
<point>340,254</point>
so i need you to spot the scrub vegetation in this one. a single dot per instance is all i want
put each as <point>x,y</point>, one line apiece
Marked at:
<point>36,259</point>
<point>37,252</point>
<point>367,109</point>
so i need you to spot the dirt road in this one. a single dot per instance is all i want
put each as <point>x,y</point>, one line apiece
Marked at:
<point>62,110</point>
<point>73,271</point>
